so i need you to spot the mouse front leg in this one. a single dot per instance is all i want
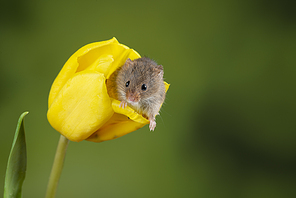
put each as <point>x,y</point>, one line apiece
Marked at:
<point>152,124</point>
<point>123,104</point>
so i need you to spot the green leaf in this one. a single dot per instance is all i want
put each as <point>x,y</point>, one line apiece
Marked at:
<point>17,162</point>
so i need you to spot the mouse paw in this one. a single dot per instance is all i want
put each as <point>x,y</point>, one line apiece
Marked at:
<point>123,104</point>
<point>152,125</point>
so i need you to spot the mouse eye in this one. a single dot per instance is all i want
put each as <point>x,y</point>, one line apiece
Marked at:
<point>144,87</point>
<point>127,83</point>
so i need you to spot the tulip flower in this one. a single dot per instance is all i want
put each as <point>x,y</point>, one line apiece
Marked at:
<point>79,106</point>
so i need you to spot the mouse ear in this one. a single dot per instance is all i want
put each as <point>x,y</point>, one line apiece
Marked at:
<point>159,70</point>
<point>128,61</point>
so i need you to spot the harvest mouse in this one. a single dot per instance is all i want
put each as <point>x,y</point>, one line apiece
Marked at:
<point>139,84</point>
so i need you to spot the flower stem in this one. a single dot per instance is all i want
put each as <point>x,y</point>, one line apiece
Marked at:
<point>57,167</point>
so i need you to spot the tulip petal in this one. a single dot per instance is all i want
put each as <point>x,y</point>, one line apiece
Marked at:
<point>117,126</point>
<point>87,56</point>
<point>82,58</point>
<point>167,85</point>
<point>124,121</point>
<point>81,107</point>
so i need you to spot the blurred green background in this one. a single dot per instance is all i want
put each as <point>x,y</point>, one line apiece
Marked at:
<point>227,128</point>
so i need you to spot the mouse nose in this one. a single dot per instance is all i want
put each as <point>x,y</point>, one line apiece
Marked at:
<point>133,97</point>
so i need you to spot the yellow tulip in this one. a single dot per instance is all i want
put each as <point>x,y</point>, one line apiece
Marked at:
<point>79,106</point>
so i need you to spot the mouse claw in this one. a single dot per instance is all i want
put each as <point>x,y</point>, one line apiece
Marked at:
<point>123,104</point>
<point>152,125</point>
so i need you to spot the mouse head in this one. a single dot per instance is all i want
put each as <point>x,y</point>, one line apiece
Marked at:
<point>139,79</point>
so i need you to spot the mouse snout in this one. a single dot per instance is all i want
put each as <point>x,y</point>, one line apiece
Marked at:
<point>132,97</point>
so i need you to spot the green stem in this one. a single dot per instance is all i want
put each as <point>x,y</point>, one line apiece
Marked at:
<point>57,167</point>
